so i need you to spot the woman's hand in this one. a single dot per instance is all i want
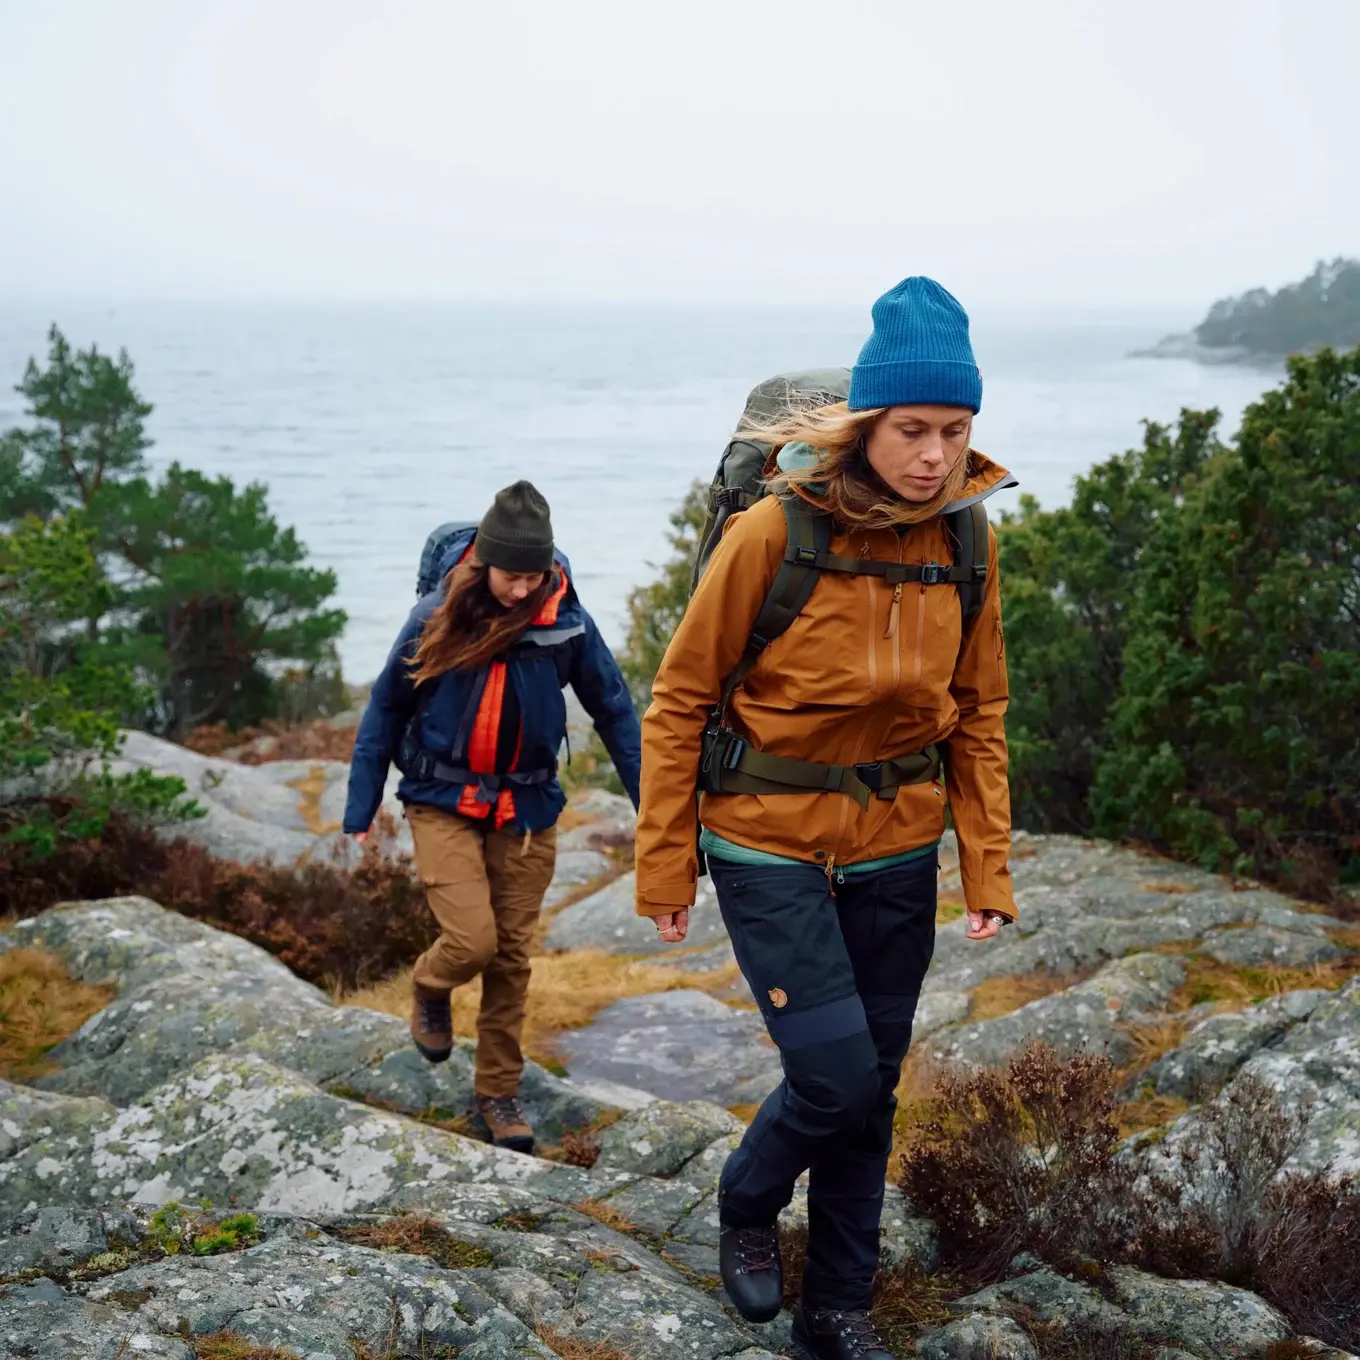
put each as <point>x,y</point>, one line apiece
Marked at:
<point>673,926</point>
<point>982,925</point>
<point>361,836</point>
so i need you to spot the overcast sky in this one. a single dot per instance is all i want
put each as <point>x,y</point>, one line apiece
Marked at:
<point>1073,152</point>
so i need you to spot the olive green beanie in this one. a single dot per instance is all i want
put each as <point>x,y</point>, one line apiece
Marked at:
<point>516,533</point>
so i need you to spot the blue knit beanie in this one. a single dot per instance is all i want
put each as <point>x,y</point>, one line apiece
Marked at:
<point>919,353</point>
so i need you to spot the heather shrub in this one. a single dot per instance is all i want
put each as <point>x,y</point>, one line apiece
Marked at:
<point>330,924</point>
<point>1028,1158</point>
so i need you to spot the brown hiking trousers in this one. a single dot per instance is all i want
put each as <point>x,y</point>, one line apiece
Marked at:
<point>485,888</point>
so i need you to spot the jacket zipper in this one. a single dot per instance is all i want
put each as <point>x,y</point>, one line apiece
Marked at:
<point>894,619</point>
<point>920,638</point>
<point>873,641</point>
<point>873,690</point>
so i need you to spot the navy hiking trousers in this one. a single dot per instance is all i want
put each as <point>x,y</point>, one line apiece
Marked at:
<point>837,976</point>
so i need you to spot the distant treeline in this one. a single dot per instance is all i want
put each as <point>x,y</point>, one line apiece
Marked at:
<point>1323,309</point>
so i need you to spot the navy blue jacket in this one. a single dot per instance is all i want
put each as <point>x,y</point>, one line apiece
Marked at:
<point>545,659</point>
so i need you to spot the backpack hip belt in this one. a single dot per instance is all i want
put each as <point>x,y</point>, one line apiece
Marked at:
<point>425,766</point>
<point>730,764</point>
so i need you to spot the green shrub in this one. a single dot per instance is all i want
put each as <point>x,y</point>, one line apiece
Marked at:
<point>1235,734</point>
<point>655,610</point>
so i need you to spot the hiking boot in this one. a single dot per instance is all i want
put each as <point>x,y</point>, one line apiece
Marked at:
<point>505,1120</point>
<point>825,1334</point>
<point>431,1023</point>
<point>752,1273</point>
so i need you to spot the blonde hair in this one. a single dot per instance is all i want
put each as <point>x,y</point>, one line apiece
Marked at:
<point>842,482</point>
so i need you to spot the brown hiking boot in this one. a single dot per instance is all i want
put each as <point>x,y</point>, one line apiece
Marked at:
<point>506,1122</point>
<point>431,1023</point>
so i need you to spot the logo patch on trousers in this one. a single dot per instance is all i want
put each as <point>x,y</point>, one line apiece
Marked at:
<point>779,997</point>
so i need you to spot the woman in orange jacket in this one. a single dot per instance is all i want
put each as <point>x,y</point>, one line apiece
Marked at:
<point>836,755</point>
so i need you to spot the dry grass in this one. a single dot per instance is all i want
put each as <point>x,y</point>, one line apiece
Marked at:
<point>1233,987</point>
<point>566,992</point>
<point>1148,1112</point>
<point>607,1214</point>
<point>1154,1041</point>
<point>231,1346</point>
<point>40,1005</point>
<point>570,1348</point>
<point>417,1236</point>
<point>905,1299</point>
<point>580,1147</point>
<point>1001,995</point>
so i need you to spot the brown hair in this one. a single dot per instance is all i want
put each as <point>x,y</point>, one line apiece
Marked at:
<point>471,627</point>
<point>842,481</point>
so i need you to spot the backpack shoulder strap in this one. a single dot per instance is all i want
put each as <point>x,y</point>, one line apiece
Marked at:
<point>969,529</point>
<point>809,537</point>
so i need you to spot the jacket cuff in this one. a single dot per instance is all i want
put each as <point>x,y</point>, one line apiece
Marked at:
<point>659,898</point>
<point>993,896</point>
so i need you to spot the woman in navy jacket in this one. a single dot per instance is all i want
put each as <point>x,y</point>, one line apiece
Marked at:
<point>470,708</point>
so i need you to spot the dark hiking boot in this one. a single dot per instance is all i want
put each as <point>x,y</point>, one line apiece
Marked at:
<point>506,1122</point>
<point>824,1334</point>
<point>752,1273</point>
<point>431,1023</point>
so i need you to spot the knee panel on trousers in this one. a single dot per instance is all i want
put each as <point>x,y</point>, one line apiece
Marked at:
<point>833,1086</point>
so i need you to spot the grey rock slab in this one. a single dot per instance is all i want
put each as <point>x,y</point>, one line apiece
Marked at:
<point>650,1318</point>
<point>1048,1298</point>
<point>1257,945</point>
<point>314,1295</point>
<point>41,1321</point>
<point>704,1170</point>
<point>659,1140</point>
<point>604,821</point>
<point>608,920</point>
<point>1314,1067</point>
<point>979,1337</point>
<point>936,1009</point>
<point>249,816</point>
<point>681,1045</point>
<point>249,1135</point>
<point>56,1238</point>
<point>1209,1318</point>
<point>159,1029</point>
<point>656,1207</point>
<point>187,990</point>
<point>132,941</point>
<point>573,871</point>
<point>1171,1353</point>
<point>37,1123</point>
<point>528,1296</point>
<point>366,1055</point>
<point>1092,1016</point>
<point>699,1227</point>
<point>1220,1044</point>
